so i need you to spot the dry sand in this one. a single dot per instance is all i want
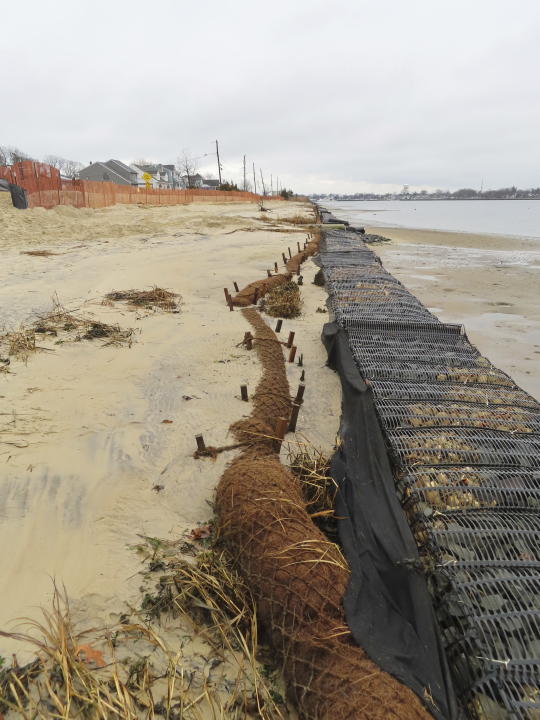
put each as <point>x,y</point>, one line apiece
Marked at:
<point>489,283</point>
<point>83,445</point>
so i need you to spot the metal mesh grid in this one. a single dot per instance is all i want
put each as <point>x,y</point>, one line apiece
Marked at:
<point>351,259</point>
<point>447,414</point>
<point>490,627</point>
<point>457,446</point>
<point>430,489</point>
<point>351,276</point>
<point>346,319</point>
<point>475,393</point>
<point>422,350</point>
<point>413,371</point>
<point>513,689</point>
<point>480,536</point>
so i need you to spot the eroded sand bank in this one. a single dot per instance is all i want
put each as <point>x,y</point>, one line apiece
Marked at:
<point>489,283</point>
<point>87,463</point>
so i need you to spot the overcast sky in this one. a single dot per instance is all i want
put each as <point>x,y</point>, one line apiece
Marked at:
<point>331,96</point>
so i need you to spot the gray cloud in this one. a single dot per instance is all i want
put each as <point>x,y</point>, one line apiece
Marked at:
<point>329,96</point>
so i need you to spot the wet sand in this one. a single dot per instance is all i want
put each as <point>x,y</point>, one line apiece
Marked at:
<point>489,283</point>
<point>87,463</point>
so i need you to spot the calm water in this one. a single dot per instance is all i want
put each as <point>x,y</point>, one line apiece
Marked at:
<point>502,217</point>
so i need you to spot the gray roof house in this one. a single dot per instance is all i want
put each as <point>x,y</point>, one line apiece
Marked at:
<point>113,171</point>
<point>210,184</point>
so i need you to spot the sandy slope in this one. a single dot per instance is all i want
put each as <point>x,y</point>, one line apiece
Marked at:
<point>82,439</point>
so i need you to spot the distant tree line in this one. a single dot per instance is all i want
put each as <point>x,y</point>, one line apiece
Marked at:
<point>67,168</point>
<point>507,193</point>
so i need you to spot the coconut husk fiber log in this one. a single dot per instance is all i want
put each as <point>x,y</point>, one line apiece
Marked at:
<point>297,576</point>
<point>257,289</point>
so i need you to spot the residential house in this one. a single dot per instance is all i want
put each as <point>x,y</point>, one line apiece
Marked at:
<point>210,184</point>
<point>165,176</point>
<point>113,171</point>
<point>141,181</point>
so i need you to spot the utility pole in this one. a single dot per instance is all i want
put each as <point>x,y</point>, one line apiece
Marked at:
<point>254,179</point>
<point>262,180</point>
<point>218,163</point>
<point>244,173</point>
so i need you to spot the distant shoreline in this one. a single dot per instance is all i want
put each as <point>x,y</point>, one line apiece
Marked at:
<point>422,199</point>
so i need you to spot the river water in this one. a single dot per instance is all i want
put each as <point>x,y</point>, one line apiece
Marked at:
<point>519,218</point>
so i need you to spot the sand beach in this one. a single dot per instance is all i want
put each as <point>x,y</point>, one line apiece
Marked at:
<point>97,440</point>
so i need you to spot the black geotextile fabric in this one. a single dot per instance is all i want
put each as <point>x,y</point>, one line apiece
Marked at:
<point>18,197</point>
<point>387,605</point>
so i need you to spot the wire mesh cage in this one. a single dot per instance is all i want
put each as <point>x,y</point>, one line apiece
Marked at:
<point>479,537</point>
<point>412,355</point>
<point>419,372</point>
<point>457,446</point>
<point>452,487</point>
<point>351,259</point>
<point>465,444</point>
<point>355,276</point>
<point>489,622</point>
<point>406,413</point>
<point>477,393</point>
<point>511,692</point>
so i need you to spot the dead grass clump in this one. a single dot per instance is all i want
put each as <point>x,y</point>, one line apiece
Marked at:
<point>79,674</point>
<point>284,301</point>
<point>312,468</point>
<point>78,328</point>
<point>154,299</point>
<point>252,293</point>
<point>20,343</point>
<point>220,605</point>
<point>297,220</point>
<point>38,253</point>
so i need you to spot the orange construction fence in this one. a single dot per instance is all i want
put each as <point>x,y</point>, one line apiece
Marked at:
<point>45,188</point>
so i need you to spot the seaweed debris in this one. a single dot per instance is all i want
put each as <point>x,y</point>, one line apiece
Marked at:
<point>155,299</point>
<point>283,301</point>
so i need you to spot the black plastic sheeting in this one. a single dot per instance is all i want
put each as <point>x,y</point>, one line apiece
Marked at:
<point>387,603</point>
<point>18,197</point>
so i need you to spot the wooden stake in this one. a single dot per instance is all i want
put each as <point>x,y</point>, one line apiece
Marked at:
<point>201,447</point>
<point>301,360</point>
<point>298,245</point>
<point>249,341</point>
<point>284,258</point>
<point>227,296</point>
<point>231,306</point>
<point>275,267</point>
<point>281,429</point>
<point>294,416</point>
<point>303,376</point>
<point>268,273</point>
<point>300,393</point>
<point>278,325</point>
<point>292,353</point>
<point>244,392</point>
<point>290,340</point>
<point>290,254</point>
<point>236,286</point>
